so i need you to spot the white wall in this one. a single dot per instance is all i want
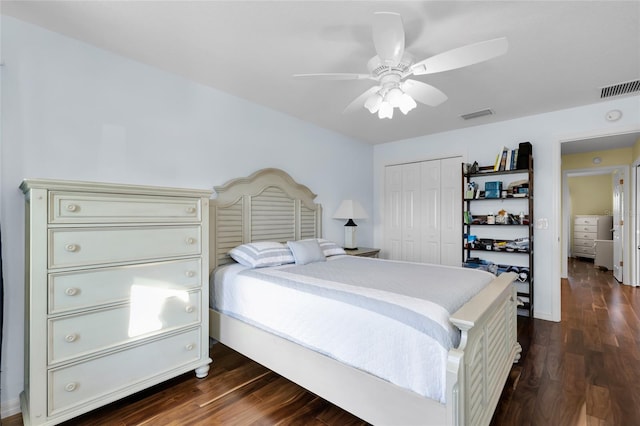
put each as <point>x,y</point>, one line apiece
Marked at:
<point>482,143</point>
<point>72,111</point>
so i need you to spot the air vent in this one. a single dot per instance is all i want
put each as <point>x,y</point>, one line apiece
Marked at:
<point>620,89</point>
<point>477,114</point>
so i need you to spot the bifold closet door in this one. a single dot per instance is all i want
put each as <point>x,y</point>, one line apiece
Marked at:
<point>441,211</point>
<point>423,212</point>
<point>402,212</point>
<point>450,212</point>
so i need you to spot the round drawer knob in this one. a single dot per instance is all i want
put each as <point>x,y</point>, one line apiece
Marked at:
<point>71,337</point>
<point>190,274</point>
<point>191,240</point>
<point>190,347</point>
<point>71,291</point>
<point>70,387</point>
<point>191,209</point>
<point>189,309</point>
<point>72,248</point>
<point>72,207</point>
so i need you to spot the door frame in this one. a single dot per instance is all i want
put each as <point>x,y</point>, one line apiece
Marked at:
<point>566,212</point>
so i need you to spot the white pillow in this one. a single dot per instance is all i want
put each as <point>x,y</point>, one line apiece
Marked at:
<point>329,248</point>
<point>306,251</point>
<point>261,254</point>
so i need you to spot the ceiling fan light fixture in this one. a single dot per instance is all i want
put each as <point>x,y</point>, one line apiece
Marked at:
<point>386,110</point>
<point>406,103</point>
<point>393,97</point>
<point>373,103</point>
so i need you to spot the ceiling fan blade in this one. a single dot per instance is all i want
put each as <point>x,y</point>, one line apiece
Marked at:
<point>333,76</point>
<point>462,56</point>
<point>423,93</point>
<point>360,100</point>
<point>388,37</point>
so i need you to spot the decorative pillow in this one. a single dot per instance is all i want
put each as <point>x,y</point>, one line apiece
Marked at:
<point>306,251</point>
<point>261,254</point>
<point>329,248</point>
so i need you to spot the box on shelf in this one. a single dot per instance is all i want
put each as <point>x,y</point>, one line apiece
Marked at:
<point>492,189</point>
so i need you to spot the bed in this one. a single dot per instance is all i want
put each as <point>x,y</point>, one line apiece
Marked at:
<point>270,206</point>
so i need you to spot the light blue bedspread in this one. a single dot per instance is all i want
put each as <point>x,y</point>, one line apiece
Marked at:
<point>414,294</point>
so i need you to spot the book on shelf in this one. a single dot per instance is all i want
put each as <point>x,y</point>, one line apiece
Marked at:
<point>506,160</point>
<point>503,159</point>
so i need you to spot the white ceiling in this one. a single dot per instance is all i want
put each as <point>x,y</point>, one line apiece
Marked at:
<point>561,53</point>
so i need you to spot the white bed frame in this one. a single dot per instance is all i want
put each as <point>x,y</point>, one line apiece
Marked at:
<point>270,206</point>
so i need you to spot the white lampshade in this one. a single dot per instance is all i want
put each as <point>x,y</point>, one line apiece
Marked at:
<point>350,209</point>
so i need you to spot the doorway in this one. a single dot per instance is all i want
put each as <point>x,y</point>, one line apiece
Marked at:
<point>610,206</point>
<point>594,148</point>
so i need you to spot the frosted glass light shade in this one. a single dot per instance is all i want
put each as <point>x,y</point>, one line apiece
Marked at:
<point>386,110</point>
<point>407,103</point>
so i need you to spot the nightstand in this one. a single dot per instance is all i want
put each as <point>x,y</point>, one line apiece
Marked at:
<point>363,252</point>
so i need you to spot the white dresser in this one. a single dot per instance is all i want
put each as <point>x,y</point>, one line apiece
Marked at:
<point>116,293</point>
<point>586,230</point>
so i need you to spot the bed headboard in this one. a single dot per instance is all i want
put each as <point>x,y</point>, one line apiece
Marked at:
<point>266,206</point>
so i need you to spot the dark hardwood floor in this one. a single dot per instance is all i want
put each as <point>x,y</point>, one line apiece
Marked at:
<point>584,370</point>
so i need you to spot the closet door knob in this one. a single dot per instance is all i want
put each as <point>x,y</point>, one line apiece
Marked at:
<point>72,248</point>
<point>72,207</point>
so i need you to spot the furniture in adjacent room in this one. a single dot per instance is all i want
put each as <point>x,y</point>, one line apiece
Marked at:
<point>364,252</point>
<point>116,293</point>
<point>586,230</point>
<point>421,205</point>
<point>604,254</point>
<point>501,242</point>
<point>270,206</point>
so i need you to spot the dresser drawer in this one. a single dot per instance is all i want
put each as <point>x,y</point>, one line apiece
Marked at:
<point>86,382</point>
<point>584,251</point>
<point>578,242</point>
<point>585,220</point>
<point>83,289</point>
<point>152,311</point>
<point>77,207</point>
<point>585,228</point>
<point>582,235</point>
<point>92,246</point>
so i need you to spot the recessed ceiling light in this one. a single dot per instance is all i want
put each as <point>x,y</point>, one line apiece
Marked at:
<point>596,160</point>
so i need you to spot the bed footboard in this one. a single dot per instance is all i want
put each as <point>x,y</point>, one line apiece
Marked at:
<point>479,367</point>
<point>476,370</point>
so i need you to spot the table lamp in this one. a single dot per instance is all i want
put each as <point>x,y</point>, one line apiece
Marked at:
<point>350,209</point>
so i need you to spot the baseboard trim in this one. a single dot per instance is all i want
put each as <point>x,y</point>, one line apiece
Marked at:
<point>10,408</point>
<point>543,316</point>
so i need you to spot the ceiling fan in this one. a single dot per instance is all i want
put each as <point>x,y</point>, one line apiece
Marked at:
<point>392,65</point>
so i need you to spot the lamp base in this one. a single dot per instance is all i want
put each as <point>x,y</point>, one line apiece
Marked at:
<point>350,238</point>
